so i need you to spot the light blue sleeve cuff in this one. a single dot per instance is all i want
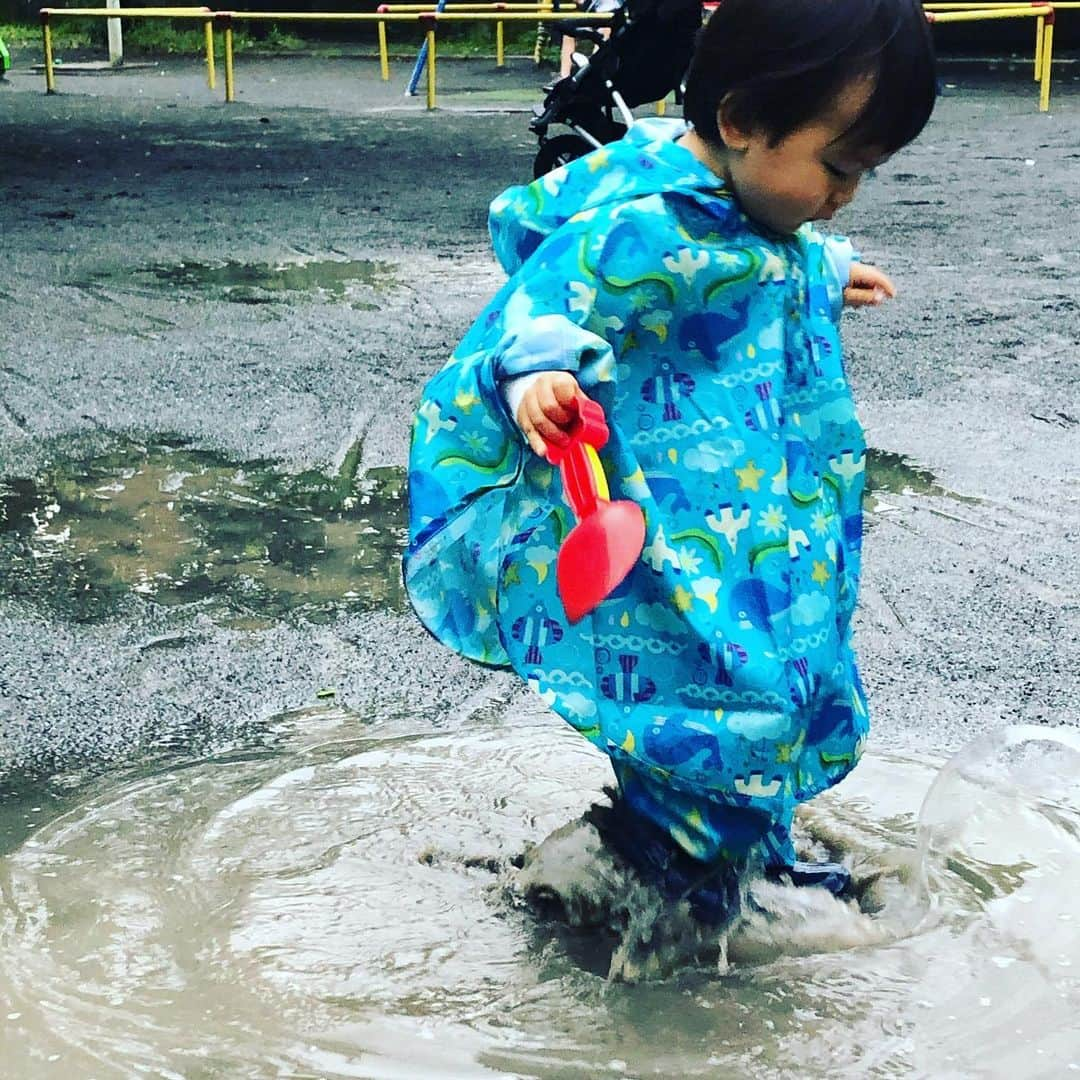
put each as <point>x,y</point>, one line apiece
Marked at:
<point>546,343</point>
<point>513,390</point>
<point>839,254</point>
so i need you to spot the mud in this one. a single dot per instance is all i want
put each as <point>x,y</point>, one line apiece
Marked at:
<point>274,280</point>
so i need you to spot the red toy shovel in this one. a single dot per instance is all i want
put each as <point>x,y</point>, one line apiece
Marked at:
<point>601,549</point>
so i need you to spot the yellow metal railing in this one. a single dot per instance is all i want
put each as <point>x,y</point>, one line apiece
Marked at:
<point>427,19</point>
<point>1043,14</point>
<point>541,12</point>
<point>1040,22</point>
<point>493,10</point>
<point>203,14</point>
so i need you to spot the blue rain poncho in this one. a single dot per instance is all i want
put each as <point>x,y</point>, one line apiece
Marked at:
<point>719,677</point>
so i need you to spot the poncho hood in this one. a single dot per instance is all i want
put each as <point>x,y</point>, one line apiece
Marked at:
<point>648,161</point>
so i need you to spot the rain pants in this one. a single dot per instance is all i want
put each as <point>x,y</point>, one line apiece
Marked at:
<point>719,677</point>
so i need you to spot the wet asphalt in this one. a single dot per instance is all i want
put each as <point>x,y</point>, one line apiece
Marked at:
<point>145,229</point>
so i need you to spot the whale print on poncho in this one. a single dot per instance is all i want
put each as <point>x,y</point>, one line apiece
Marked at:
<point>722,667</point>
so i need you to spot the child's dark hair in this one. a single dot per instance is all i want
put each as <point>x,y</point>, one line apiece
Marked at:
<point>781,63</point>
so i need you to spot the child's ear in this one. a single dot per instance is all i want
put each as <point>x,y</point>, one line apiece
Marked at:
<point>734,133</point>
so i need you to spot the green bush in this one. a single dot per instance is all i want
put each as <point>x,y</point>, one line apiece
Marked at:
<point>66,34</point>
<point>159,37</point>
<point>148,37</point>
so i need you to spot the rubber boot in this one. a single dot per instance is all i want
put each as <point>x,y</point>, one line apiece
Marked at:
<point>826,875</point>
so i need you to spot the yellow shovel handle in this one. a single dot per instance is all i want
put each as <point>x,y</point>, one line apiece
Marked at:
<point>602,491</point>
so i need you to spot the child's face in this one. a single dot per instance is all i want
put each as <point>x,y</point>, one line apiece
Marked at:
<point>807,176</point>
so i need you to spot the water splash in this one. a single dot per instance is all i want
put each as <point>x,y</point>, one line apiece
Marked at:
<point>1004,817</point>
<point>571,878</point>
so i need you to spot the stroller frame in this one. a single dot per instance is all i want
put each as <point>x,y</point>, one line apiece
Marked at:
<point>595,101</point>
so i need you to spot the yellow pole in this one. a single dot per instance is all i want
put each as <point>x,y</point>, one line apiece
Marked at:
<point>500,58</point>
<point>211,73</point>
<point>431,66</point>
<point>1047,57</point>
<point>384,54</point>
<point>988,13</point>
<point>1040,22</point>
<point>529,9</point>
<point>50,72</point>
<point>542,33</point>
<point>230,87</point>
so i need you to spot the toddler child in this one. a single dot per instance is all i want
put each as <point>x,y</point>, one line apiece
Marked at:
<point>676,278</point>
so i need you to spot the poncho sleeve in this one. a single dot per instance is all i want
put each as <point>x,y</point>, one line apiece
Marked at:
<point>836,254</point>
<point>466,451</point>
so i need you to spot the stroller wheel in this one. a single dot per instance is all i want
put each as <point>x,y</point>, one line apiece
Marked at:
<point>559,151</point>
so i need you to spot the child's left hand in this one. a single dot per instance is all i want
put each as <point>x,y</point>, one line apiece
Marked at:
<point>867,286</point>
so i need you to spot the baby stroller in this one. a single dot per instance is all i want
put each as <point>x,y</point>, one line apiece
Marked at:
<point>643,60</point>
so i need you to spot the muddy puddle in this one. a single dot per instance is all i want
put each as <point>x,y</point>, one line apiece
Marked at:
<point>343,900</point>
<point>894,474</point>
<point>358,283</point>
<point>177,525</point>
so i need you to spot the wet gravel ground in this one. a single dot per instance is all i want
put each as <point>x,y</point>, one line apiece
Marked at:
<point>971,600</point>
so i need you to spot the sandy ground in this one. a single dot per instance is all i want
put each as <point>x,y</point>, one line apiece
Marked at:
<point>971,602</point>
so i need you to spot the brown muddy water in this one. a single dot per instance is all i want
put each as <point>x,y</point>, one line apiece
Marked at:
<point>358,283</point>
<point>342,897</point>
<point>343,900</point>
<point>177,525</point>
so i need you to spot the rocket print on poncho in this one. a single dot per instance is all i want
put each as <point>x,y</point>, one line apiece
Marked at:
<point>721,668</point>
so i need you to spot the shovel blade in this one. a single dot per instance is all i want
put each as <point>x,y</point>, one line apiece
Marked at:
<point>597,554</point>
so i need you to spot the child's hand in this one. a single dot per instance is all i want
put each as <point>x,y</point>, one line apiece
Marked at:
<point>867,287</point>
<point>547,408</point>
